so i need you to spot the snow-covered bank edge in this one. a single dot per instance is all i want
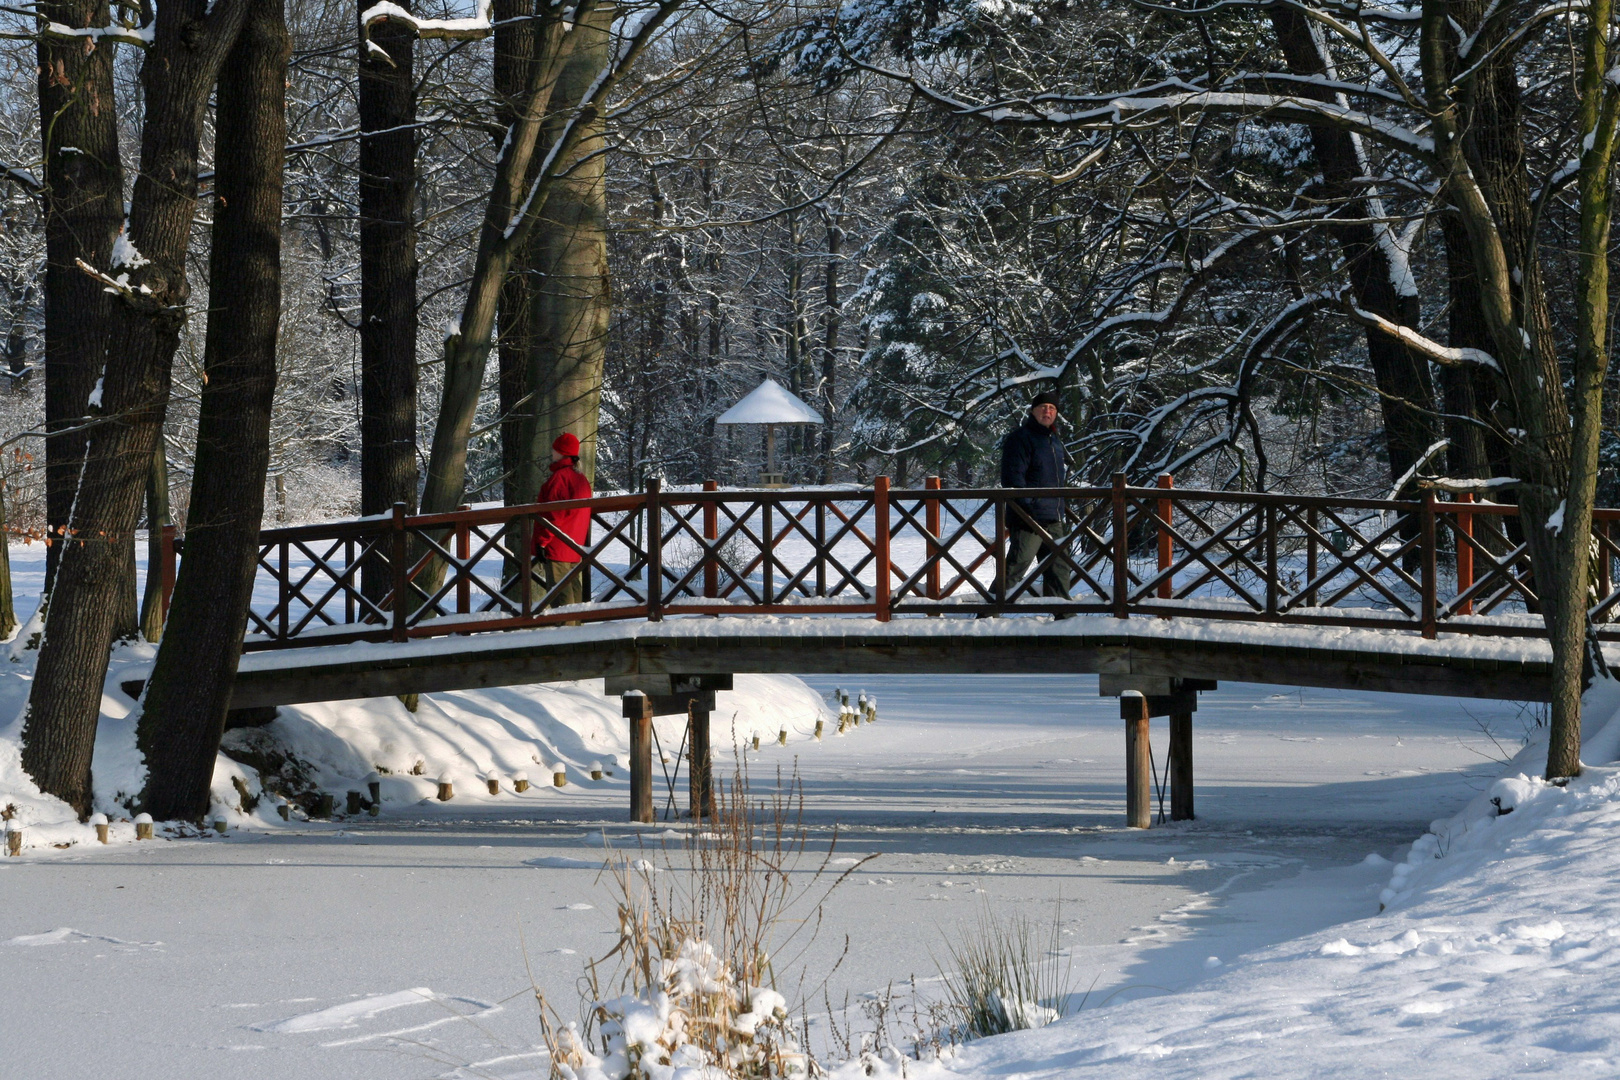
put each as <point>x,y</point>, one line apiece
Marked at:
<point>509,736</point>
<point>1496,953</point>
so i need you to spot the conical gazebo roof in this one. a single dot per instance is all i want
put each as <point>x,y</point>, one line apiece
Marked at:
<point>770,403</point>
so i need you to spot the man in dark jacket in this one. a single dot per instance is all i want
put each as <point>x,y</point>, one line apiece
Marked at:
<point>1032,457</point>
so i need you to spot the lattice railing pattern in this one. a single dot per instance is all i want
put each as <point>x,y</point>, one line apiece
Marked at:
<point>1431,566</point>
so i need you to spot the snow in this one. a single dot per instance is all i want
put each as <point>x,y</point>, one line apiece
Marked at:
<point>95,394</point>
<point>1249,942</point>
<point>769,403</point>
<point>1555,520</point>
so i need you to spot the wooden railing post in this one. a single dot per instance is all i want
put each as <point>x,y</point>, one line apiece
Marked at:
<point>931,518</point>
<point>880,545</point>
<point>525,561</point>
<point>767,540</point>
<point>655,551</point>
<point>284,592</point>
<point>1166,545</point>
<point>1273,581</point>
<point>463,571</point>
<point>402,579</point>
<point>1310,556</point>
<point>711,533</point>
<point>1465,553</point>
<point>1122,551</point>
<point>1001,551</point>
<point>1430,602</point>
<point>167,569</point>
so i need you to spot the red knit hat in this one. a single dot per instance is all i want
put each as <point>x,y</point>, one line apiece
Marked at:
<point>567,445</point>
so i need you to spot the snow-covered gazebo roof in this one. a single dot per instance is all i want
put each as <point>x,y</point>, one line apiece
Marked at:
<point>770,403</point>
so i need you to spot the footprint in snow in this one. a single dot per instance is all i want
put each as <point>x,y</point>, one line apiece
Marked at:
<point>578,907</point>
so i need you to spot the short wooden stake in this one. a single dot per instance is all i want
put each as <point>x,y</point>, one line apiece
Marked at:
<point>447,789</point>
<point>1181,767</point>
<point>596,770</point>
<point>13,841</point>
<point>143,826</point>
<point>220,825</point>
<point>819,725</point>
<point>781,737</point>
<point>353,803</point>
<point>494,783</point>
<point>102,827</point>
<point>1138,762</point>
<point>756,742</point>
<point>374,785</point>
<point>559,775</point>
<point>284,810</point>
<point>520,782</point>
<point>325,805</point>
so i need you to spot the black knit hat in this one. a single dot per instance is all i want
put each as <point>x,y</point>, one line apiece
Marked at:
<point>1045,397</point>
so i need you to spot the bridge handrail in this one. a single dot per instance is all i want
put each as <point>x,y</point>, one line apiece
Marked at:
<point>1130,550</point>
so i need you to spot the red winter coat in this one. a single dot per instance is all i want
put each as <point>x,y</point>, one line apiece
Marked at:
<point>566,482</point>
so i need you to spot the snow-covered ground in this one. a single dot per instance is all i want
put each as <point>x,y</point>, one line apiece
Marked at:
<point>1248,942</point>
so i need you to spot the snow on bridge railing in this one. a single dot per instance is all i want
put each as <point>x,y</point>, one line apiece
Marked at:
<point>1124,551</point>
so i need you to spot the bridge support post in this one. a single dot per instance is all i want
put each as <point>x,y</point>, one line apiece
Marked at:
<point>701,773</point>
<point>638,709</point>
<point>1143,696</point>
<point>1181,767</point>
<point>1138,762</point>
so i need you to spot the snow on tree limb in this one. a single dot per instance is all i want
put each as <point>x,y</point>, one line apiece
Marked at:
<point>1421,343</point>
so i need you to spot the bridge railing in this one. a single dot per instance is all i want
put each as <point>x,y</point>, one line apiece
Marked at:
<point>1429,566</point>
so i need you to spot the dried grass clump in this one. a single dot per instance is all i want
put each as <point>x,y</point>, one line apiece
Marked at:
<point>1006,976</point>
<point>693,982</point>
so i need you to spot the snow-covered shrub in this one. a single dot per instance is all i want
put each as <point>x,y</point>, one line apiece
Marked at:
<point>688,992</point>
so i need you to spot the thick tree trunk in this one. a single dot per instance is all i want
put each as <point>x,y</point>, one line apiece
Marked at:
<point>157,516</point>
<point>1382,282</point>
<point>84,209</point>
<point>829,351</point>
<point>59,732</point>
<point>190,690</point>
<point>571,300</point>
<point>8,610</point>
<point>1482,160</point>
<point>515,44</point>
<point>387,106</point>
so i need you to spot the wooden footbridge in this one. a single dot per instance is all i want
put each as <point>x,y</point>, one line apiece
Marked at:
<point>1171,590</point>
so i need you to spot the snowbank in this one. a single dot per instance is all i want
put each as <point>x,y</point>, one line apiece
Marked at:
<point>469,737</point>
<point>1497,953</point>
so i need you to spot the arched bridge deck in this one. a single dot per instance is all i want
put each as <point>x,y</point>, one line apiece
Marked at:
<point>1168,591</point>
<point>1431,596</point>
<point>1494,667</point>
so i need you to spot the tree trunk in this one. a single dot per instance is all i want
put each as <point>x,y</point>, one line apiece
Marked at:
<point>84,209</point>
<point>184,709</point>
<point>8,609</point>
<point>387,106</point>
<point>829,351</point>
<point>571,301</point>
<point>1485,178</point>
<point>515,43</point>
<point>59,732</point>
<point>157,516</point>
<point>1381,280</point>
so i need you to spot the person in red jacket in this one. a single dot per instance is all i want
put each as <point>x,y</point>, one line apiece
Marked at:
<point>566,482</point>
